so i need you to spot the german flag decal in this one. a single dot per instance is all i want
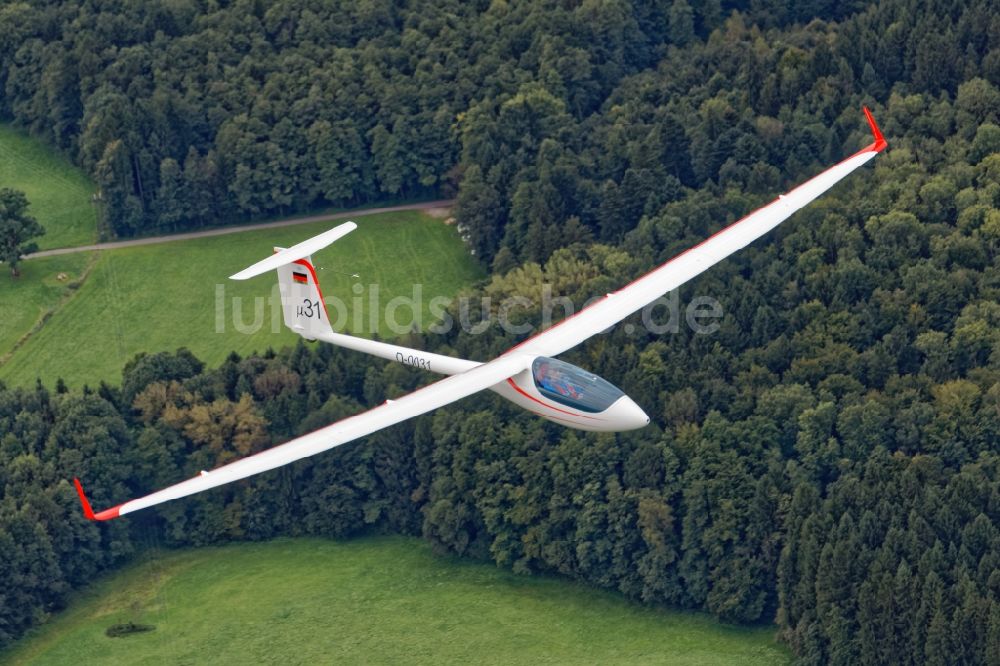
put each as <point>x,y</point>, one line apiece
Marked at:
<point>301,278</point>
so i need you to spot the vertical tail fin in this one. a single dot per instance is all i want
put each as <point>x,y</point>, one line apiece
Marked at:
<point>302,301</point>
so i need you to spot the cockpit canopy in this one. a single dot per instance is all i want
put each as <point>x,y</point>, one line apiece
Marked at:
<point>573,386</point>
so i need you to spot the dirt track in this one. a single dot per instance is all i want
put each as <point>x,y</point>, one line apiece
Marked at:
<point>225,231</point>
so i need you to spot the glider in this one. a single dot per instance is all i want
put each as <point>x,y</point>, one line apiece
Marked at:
<point>527,375</point>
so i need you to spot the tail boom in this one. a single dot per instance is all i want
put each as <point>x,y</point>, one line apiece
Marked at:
<point>444,365</point>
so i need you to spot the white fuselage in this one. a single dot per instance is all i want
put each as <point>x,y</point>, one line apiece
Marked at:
<point>622,414</point>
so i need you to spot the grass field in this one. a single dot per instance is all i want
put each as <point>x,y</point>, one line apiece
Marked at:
<point>385,600</point>
<point>161,297</point>
<point>59,193</point>
<point>38,290</point>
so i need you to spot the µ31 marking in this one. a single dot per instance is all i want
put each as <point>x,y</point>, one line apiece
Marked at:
<point>309,309</point>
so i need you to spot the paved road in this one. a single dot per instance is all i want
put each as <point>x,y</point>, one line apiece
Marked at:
<point>224,231</point>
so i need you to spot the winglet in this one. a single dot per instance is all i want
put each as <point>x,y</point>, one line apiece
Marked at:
<point>88,512</point>
<point>880,142</point>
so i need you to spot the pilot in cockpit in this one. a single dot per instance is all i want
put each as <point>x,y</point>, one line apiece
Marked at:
<point>553,380</point>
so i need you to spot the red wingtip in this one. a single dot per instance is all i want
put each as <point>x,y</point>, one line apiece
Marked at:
<point>880,142</point>
<point>88,512</point>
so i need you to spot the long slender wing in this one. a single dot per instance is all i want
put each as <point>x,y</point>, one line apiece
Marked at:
<point>614,307</point>
<point>419,402</point>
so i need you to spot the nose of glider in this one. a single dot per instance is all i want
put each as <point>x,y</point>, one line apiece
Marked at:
<point>626,415</point>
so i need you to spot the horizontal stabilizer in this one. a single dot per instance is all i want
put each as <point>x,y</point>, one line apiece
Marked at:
<point>300,251</point>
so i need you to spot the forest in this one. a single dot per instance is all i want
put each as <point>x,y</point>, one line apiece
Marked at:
<point>826,461</point>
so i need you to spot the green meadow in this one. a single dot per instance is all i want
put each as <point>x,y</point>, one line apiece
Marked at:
<point>59,193</point>
<point>44,284</point>
<point>161,297</point>
<point>385,600</point>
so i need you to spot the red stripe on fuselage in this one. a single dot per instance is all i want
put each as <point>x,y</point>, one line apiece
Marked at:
<point>544,404</point>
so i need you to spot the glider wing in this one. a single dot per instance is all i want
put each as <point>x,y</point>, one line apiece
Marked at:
<point>614,307</point>
<point>423,400</point>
